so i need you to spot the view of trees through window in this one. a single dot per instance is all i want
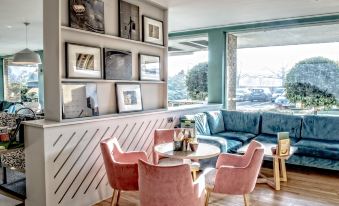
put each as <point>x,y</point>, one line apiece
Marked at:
<point>21,83</point>
<point>295,78</point>
<point>187,81</point>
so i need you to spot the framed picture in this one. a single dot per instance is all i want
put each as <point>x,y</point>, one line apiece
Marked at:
<point>83,61</point>
<point>129,23</point>
<point>87,15</point>
<point>152,31</point>
<point>79,100</point>
<point>149,67</point>
<point>129,97</point>
<point>117,64</point>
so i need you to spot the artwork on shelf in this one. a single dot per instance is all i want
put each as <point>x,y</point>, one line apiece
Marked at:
<point>87,15</point>
<point>83,61</point>
<point>129,97</point>
<point>149,67</point>
<point>79,100</point>
<point>117,64</point>
<point>129,23</point>
<point>152,31</point>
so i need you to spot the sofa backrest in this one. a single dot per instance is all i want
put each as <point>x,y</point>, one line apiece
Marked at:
<point>320,127</point>
<point>272,123</point>
<point>215,121</point>
<point>242,121</point>
<point>201,123</point>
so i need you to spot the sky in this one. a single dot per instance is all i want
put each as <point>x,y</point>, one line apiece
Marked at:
<point>261,60</point>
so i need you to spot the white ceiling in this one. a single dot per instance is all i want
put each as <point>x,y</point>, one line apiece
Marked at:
<point>197,14</point>
<point>12,30</point>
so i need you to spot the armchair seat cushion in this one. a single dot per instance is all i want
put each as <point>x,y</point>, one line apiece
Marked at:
<point>318,148</point>
<point>266,138</point>
<point>239,136</point>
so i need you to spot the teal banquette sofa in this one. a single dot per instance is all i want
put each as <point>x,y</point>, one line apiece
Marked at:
<point>317,137</point>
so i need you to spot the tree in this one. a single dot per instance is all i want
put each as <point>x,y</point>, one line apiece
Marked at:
<point>313,82</point>
<point>177,86</point>
<point>196,82</point>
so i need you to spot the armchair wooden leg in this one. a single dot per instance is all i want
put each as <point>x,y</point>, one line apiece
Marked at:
<point>208,193</point>
<point>118,197</point>
<point>247,199</point>
<point>112,202</point>
<point>194,173</point>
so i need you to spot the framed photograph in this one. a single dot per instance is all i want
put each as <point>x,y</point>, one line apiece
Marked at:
<point>79,100</point>
<point>129,23</point>
<point>152,31</point>
<point>149,67</point>
<point>129,97</point>
<point>87,15</point>
<point>117,64</point>
<point>83,61</point>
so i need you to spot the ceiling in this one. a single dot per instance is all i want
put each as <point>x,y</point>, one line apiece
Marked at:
<point>12,30</point>
<point>196,14</point>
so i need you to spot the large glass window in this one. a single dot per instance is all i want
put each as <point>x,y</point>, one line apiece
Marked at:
<point>187,71</point>
<point>293,78</point>
<point>21,83</point>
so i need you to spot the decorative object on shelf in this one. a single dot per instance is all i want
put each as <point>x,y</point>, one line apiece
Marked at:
<point>149,67</point>
<point>152,31</point>
<point>117,64</point>
<point>83,61</point>
<point>79,100</point>
<point>284,144</point>
<point>87,15</point>
<point>129,97</point>
<point>129,23</point>
<point>26,56</point>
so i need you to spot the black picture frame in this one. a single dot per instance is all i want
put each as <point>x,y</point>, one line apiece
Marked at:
<point>144,31</point>
<point>142,69</point>
<point>80,15</point>
<point>118,97</point>
<point>114,71</point>
<point>70,74</point>
<point>134,20</point>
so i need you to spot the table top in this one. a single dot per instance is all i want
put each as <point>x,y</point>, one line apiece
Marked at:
<point>268,151</point>
<point>204,151</point>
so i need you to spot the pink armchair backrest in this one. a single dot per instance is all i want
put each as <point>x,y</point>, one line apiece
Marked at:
<point>162,136</point>
<point>122,170</point>
<point>240,177</point>
<point>168,186</point>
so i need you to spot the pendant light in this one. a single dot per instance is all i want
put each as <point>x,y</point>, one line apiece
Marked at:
<point>26,56</point>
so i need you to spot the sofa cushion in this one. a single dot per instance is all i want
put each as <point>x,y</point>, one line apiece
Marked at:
<point>318,148</point>
<point>236,121</point>
<point>201,123</point>
<point>240,136</point>
<point>225,145</point>
<point>272,139</point>
<point>215,121</point>
<point>272,123</point>
<point>320,127</point>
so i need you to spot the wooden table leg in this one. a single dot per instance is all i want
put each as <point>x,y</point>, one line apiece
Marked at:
<point>283,170</point>
<point>276,173</point>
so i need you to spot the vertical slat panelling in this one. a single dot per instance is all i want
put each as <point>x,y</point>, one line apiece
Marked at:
<point>74,165</point>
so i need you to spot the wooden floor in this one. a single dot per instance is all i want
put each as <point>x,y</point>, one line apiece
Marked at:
<point>305,187</point>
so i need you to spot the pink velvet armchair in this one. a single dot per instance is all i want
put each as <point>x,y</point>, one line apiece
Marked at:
<point>169,185</point>
<point>165,136</point>
<point>121,167</point>
<point>236,174</point>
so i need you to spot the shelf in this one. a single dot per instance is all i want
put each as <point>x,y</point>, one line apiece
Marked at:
<point>69,29</point>
<point>108,81</point>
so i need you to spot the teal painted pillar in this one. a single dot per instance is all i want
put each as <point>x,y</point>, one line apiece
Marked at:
<point>41,79</point>
<point>216,66</point>
<point>2,93</point>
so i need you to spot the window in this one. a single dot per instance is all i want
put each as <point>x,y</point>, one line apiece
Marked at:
<point>21,83</point>
<point>301,78</point>
<point>187,71</point>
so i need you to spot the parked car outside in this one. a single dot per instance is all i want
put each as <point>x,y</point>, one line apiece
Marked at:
<point>260,94</point>
<point>283,102</point>
<point>277,93</point>
<point>242,94</point>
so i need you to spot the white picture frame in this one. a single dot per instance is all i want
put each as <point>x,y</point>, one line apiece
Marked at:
<point>152,31</point>
<point>129,97</point>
